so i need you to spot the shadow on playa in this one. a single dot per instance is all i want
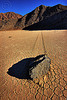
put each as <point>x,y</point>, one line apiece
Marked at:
<point>21,69</point>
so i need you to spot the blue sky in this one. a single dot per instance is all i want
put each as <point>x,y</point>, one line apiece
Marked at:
<point>25,6</point>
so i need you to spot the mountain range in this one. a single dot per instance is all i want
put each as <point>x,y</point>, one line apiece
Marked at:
<point>41,18</point>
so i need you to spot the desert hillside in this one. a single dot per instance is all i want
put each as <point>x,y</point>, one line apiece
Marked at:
<point>8,20</point>
<point>43,17</point>
<point>9,15</point>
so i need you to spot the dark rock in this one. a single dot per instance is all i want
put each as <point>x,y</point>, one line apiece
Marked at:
<point>39,67</point>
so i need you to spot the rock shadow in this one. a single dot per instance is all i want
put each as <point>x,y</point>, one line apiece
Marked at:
<point>21,69</point>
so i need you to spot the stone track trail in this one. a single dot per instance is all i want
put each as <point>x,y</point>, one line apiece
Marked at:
<point>18,45</point>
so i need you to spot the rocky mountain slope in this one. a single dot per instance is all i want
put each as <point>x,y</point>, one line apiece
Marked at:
<point>9,15</point>
<point>56,21</point>
<point>43,17</point>
<point>8,20</point>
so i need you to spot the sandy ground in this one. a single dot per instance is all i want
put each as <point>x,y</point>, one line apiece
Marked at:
<point>18,45</point>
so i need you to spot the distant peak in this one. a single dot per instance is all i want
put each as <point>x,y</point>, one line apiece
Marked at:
<point>62,5</point>
<point>11,13</point>
<point>42,6</point>
<point>59,5</point>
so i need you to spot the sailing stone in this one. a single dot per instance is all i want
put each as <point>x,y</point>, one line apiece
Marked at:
<point>39,67</point>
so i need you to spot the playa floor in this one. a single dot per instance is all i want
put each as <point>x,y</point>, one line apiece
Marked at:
<point>17,45</point>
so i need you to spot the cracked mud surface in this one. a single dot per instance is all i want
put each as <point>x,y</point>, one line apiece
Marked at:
<point>18,45</point>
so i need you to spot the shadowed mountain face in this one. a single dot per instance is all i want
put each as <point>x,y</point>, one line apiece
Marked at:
<point>43,17</point>
<point>56,21</point>
<point>32,17</point>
